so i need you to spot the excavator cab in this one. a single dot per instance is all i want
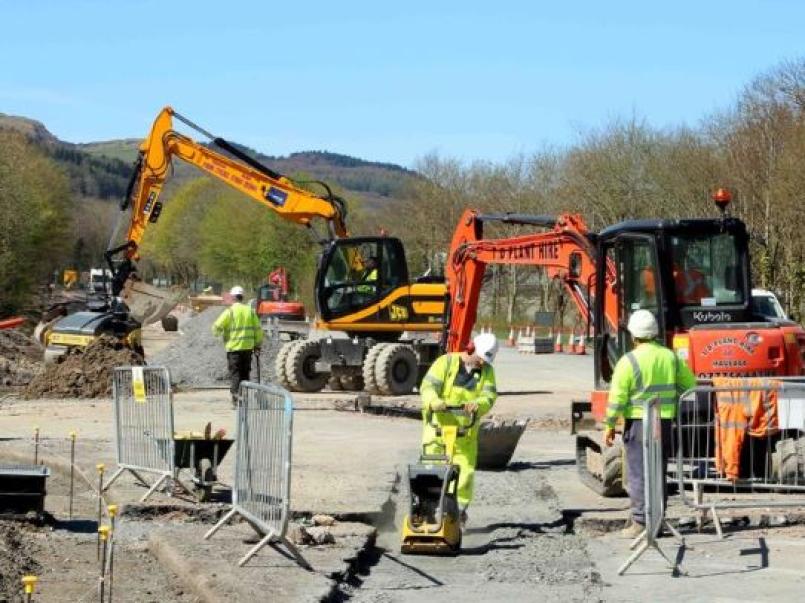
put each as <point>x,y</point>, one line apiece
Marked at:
<point>363,286</point>
<point>688,273</point>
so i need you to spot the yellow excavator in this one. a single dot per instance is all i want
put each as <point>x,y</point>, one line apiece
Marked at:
<point>362,285</point>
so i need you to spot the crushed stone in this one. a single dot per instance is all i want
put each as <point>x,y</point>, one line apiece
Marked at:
<point>84,372</point>
<point>197,358</point>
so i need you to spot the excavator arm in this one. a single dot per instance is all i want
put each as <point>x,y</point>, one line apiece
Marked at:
<point>243,173</point>
<point>239,170</point>
<point>565,250</point>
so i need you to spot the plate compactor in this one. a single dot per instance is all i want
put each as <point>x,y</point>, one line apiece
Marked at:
<point>433,524</point>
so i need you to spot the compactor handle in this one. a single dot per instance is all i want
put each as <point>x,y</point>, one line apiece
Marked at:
<point>456,412</point>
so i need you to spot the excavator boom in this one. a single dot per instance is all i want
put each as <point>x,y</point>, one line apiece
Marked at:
<point>565,250</point>
<point>243,173</point>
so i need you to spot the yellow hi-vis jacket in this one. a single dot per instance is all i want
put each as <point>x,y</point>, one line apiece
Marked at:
<point>649,371</point>
<point>439,384</point>
<point>370,282</point>
<point>240,327</point>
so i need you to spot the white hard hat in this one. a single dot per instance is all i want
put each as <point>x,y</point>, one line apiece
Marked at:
<point>486,346</point>
<point>643,325</point>
<point>236,290</point>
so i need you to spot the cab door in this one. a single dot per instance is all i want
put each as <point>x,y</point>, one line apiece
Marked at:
<point>637,286</point>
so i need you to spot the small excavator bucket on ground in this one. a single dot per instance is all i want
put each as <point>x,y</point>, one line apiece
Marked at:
<point>148,304</point>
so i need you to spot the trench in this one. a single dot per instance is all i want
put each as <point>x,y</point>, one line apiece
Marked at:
<point>527,543</point>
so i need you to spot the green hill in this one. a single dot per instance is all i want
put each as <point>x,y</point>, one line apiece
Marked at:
<point>101,170</point>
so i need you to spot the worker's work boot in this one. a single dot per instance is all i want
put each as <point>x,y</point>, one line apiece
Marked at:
<point>463,517</point>
<point>633,530</point>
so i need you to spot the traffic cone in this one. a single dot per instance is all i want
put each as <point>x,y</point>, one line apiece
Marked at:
<point>510,341</point>
<point>557,348</point>
<point>581,349</point>
<point>571,343</point>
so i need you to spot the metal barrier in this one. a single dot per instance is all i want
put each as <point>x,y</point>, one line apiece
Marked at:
<point>143,407</point>
<point>263,466</point>
<point>654,489</point>
<point>741,442</point>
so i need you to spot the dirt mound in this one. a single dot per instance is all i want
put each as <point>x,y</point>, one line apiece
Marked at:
<point>20,358</point>
<point>16,560</point>
<point>84,373</point>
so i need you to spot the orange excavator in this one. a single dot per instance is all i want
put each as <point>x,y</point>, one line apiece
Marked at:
<point>629,266</point>
<point>272,299</point>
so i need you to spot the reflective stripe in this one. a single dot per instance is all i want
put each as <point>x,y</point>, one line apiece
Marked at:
<point>490,388</point>
<point>434,380</point>
<point>733,425</point>
<point>638,376</point>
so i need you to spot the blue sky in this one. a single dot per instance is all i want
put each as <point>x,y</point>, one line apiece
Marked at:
<point>385,81</point>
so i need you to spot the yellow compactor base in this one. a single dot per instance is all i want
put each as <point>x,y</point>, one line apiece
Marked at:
<point>431,539</point>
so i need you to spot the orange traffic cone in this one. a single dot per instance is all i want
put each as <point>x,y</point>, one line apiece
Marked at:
<point>581,349</point>
<point>557,347</point>
<point>510,341</point>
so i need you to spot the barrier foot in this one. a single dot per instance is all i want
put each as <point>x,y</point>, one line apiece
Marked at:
<point>272,541</point>
<point>674,532</point>
<point>633,557</point>
<point>644,545</point>
<point>153,488</point>
<point>221,522</point>
<point>637,540</point>
<point>117,474</point>
<point>717,522</point>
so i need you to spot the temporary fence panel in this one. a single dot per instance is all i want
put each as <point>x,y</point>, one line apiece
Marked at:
<point>654,488</point>
<point>261,492</point>
<point>743,441</point>
<point>143,407</point>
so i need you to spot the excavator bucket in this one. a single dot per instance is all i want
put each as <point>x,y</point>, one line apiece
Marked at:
<point>148,304</point>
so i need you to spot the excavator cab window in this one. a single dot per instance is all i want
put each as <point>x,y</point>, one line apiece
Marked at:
<point>706,270</point>
<point>356,273</point>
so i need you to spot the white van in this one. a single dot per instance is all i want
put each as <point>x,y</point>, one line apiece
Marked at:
<point>767,305</point>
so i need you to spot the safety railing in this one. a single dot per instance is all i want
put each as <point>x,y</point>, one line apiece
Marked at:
<point>740,444</point>
<point>261,491</point>
<point>654,467</point>
<point>143,409</point>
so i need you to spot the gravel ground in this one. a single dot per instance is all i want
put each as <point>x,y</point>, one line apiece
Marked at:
<point>516,547</point>
<point>197,358</point>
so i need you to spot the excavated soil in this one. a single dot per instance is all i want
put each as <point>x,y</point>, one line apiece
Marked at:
<point>20,358</point>
<point>17,559</point>
<point>84,373</point>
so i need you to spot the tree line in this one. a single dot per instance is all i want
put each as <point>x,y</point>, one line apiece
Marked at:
<point>629,169</point>
<point>52,212</point>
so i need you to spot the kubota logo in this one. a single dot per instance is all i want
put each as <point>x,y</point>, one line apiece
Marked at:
<point>700,316</point>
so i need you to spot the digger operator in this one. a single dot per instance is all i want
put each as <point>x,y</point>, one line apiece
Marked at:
<point>464,380</point>
<point>649,371</point>
<point>240,327</point>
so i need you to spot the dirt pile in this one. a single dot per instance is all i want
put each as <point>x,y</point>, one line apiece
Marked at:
<point>84,373</point>
<point>16,560</point>
<point>20,358</point>
<point>198,359</point>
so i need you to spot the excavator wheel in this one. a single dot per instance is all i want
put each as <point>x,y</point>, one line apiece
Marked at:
<point>352,383</point>
<point>300,367</point>
<point>369,379</point>
<point>279,363</point>
<point>396,370</point>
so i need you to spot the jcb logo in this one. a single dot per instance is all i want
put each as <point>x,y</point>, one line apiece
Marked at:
<point>398,313</point>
